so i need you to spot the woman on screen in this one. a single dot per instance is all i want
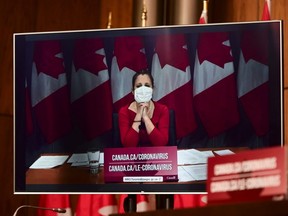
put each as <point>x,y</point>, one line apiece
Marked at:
<point>143,122</point>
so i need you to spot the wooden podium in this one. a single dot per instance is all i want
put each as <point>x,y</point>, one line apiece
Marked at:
<point>275,208</point>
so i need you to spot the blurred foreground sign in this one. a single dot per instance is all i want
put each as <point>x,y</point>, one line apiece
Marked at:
<point>248,176</point>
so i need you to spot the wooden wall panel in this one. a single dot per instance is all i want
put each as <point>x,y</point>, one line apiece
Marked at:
<point>53,15</point>
<point>8,201</point>
<point>16,17</point>
<point>286,116</point>
<point>121,13</point>
<point>279,10</point>
<point>233,10</point>
<point>6,173</point>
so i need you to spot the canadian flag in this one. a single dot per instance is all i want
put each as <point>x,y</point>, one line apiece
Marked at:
<point>189,200</point>
<point>204,17</point>
<point>144,202</point>
<point>129,58</point>
<point>96,205</point>
<point>90,88</point>
<point>49,91</point>
<point>54,201</point>
<point>266,10</point>
<point>253,77</point>
<point>214,89</point>
<point>172,77</point>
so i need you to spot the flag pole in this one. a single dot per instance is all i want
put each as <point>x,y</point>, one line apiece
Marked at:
<point>109,24</point>
<point>144,14</point>
<point>205,5</point>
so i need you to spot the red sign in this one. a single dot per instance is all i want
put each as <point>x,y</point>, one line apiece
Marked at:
<point>247,176</point>
<point>140,164</point>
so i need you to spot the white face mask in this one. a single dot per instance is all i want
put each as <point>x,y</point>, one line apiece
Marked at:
<point>143,94</point>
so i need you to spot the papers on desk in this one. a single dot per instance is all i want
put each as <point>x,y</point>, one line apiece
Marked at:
<point>48,162</point>
<point>192,163</point>
<point>193,156</point>
<point>78,159</point>
<point>224,152</point>
<point>81,159</point>
<point>196,172</point>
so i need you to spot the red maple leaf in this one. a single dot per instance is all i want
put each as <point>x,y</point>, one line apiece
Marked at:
<point>211,48</point>
<point>130,53</point>
<point>172,50</point>
<point>85,55</point>
<point>254,45</point>
<point>47,59</point>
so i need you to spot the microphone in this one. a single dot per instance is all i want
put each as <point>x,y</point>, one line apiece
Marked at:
<point>58,210</point>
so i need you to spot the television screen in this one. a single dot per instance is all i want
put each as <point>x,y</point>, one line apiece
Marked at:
<point>223,82</point>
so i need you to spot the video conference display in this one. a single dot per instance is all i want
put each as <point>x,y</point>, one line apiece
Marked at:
<point>223,82</point>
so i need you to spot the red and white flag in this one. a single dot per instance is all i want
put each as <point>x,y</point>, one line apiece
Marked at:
<point>90,88</point>
<point>215,91</point>
<point>129,58</point>
<point>54,201</point>
<point>96,205</point>
<point>189,200</point>
<point>204,17</point>
<point>144,203</point>
<point>253,77</point>
<point>172,77</point>
<point>266,10</point>
<point>49,91</point>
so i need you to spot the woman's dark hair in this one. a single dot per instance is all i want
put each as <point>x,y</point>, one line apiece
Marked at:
<point>142,72</point>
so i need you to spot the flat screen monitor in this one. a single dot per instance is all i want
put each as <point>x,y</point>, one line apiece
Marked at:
<point>223,81</point>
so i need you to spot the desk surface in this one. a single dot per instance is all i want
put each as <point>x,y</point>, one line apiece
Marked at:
<point>78,179</point>
<point>65,174</point>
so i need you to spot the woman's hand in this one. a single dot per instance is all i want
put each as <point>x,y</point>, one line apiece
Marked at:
<point>144,110</point>
<point>141,109</point>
